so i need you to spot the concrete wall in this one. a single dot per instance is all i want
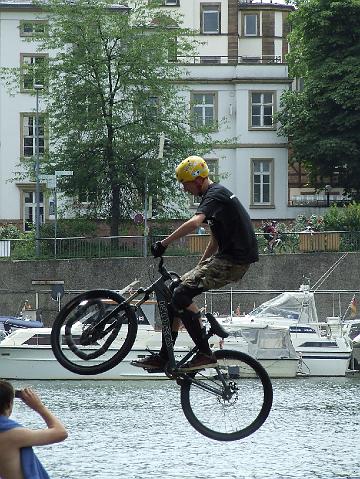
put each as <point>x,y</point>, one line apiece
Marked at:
<point>278,272</point>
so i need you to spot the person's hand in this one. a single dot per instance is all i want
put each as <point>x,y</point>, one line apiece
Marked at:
<point>31,399</point>
<point>158,249</point>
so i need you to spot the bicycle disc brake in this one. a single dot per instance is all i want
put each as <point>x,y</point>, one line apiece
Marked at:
<point>230,394</point>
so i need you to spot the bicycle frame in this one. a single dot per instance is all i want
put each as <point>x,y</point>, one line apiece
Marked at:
<point>163,297</point>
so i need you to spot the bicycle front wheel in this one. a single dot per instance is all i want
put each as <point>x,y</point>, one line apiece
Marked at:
<point>229,402</point>
<point>91,335</point>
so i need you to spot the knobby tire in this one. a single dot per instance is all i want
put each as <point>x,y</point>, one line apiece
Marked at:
<point>238,417</point>
<point>74,309</point>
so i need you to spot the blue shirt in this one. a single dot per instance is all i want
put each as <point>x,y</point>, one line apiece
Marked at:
<point>31,466</point>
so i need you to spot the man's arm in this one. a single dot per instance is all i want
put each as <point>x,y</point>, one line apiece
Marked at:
<point>55,431</point>
<point>184,229</point>
<point>211,248</point>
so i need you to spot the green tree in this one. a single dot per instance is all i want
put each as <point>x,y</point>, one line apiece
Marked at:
<point>322,122</point>
<point>111,91</point>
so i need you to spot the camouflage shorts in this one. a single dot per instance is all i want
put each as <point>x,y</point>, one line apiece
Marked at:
<point>213,273</point>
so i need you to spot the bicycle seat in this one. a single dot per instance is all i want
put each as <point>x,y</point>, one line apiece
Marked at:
<point>216,328</point>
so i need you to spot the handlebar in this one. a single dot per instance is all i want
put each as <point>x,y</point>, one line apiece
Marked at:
<point>167,275</point>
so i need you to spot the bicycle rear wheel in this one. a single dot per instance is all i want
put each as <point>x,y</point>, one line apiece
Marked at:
<point>90,335</point>
<point>228,403</point>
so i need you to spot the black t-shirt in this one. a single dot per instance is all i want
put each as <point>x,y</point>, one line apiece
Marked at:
<point>230,224</point>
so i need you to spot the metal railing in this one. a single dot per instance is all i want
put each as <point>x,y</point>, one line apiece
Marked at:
<point>319,200</point>
<point>133,246</point>
<point>226,60</point>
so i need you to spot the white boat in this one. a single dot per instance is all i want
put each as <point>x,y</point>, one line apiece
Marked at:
<point>351,330</point>
<point>27,354</point>
<point>322,350</point>
<point>27,317</point>
<point>11,323</point>
<point>270,345</point>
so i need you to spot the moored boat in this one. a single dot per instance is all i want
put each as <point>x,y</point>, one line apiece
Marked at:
<point>322,349</point>
<point>27,354</point>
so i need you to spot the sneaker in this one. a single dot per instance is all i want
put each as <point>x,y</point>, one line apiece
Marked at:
<point>155,361</point>
<point>200,361</point>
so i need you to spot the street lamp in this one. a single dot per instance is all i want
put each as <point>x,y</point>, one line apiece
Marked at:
<point>164,144</point>
<point>327,192</point>
<point>37,89</point>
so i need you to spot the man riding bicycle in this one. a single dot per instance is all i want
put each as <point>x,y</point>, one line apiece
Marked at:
<point>271,235</point>
<point>227,257</point>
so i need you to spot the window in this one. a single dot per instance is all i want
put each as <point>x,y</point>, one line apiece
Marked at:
<point>44,340</point>
<point>146,108</point>
<point>262,109</point>
<point>28,134</point>
<point>213,165</point>
<point>210,19</point>
<point>152,105</point>
<point>32,71</point>
<point>204,109</point>
<point>262,182</point>
<point>29,209</point>
<point>250,25</point>
<point>172,3</point>
<point>33,28</point>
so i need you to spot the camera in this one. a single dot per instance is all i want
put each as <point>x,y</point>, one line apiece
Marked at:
<point>18,393</point>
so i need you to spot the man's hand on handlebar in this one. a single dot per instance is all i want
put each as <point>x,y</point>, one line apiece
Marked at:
<point>158,249</point>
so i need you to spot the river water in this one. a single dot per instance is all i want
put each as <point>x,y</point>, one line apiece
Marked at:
<point>136,430</point>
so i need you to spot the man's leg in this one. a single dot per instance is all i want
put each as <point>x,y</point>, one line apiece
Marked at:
<point>212,273</point>
<point>191,318</point>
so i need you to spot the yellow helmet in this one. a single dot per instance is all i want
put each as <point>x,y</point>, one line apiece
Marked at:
<point>190,168</point>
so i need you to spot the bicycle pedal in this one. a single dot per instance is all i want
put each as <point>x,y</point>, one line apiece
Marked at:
<point>154,371</point>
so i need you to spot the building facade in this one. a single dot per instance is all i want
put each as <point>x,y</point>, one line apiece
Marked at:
<point>235,81</point>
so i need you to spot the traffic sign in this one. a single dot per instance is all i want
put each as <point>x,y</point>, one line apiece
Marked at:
<point>50,180</point>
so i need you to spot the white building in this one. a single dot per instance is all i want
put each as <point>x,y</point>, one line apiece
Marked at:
<point>236,78</point>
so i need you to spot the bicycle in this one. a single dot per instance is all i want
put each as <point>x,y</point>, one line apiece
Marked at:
<point>271,245</point>
<point>227,402</point>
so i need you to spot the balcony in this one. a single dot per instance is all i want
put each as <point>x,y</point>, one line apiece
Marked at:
<point>226,60</point>
<point>318,200</point>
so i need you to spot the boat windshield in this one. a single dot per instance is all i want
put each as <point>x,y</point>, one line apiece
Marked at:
<point>297,306</point>
<point>268,343</point>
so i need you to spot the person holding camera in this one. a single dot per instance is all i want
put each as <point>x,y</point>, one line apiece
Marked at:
<point>231,250</point>
<point>17,458</point>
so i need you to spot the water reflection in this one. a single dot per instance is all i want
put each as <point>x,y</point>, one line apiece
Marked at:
<point>137,430</point>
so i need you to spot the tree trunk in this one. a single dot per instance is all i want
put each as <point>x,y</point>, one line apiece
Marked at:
<point>115,187</point>
<point>115,211</point>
